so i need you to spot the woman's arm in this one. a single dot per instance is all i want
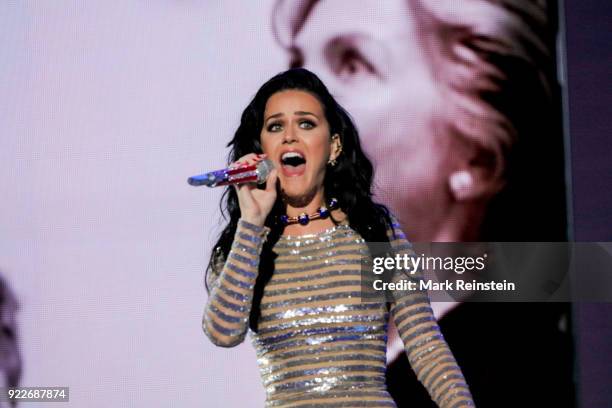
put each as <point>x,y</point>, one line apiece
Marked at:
<point>428,353</point>
<point>226,316</point>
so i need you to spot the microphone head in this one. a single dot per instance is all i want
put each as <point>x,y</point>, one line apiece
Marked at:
<point>207,179</point>
<point>264,168</point>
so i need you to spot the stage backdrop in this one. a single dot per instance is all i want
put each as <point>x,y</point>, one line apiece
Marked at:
<point>107,108</point>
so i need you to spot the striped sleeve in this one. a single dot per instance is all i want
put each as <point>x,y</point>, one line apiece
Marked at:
<point>427,350</point>
<point>226,316</point>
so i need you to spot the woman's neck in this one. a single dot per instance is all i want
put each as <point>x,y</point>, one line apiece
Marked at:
<point>314,226</point>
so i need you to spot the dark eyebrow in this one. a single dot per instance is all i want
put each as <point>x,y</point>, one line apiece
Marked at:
<point>299,113</point>
<point>303,113</point>
<point>276,115</point>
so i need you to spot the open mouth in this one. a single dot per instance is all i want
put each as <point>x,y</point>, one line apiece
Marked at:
<point>293,163</point>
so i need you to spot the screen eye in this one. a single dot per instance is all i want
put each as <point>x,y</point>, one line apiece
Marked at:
<point>347,59</point>
<point>352,63</point>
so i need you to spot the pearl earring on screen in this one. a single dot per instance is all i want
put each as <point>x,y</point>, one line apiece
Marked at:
<point>461,184</point>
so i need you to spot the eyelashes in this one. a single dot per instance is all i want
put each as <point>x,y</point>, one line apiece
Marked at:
<point>303,124</point>
<point>273,127</point>
<point>307,124</point>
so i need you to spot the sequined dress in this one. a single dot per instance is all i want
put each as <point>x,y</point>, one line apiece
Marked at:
<point>317,343</point>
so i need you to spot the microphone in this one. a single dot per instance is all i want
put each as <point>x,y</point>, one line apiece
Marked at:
<point>247,173</point>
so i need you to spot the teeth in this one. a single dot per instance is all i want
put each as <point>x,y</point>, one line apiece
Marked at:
<point>289,155</point>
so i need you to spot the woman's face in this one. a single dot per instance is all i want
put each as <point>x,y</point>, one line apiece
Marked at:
<point>295,136</point>
<point>372,61</point>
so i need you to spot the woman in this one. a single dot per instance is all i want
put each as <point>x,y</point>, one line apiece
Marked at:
<point>296,284</point>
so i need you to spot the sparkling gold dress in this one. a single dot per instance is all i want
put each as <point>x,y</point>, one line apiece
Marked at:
<point>318,344</point>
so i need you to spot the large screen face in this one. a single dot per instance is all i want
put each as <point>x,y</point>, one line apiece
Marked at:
<point>107,109</point>
<point>455,102</point>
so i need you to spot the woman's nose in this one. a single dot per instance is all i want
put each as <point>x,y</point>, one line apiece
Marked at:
<point>289,136</point>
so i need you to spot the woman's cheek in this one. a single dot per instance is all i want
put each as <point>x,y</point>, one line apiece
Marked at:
<point>318,166</point>
<point>265,144</point>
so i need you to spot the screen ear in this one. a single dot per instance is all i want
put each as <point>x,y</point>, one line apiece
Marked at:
<point>478,177</point>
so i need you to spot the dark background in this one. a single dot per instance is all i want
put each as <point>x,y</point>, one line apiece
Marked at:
<point>589,69</point>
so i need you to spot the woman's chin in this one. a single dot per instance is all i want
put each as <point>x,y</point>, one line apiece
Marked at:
<point>294,186</point>
<point>293,195</point>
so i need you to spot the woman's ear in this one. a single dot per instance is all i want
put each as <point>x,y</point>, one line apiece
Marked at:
<point>478,177</point>
<point>336,147</point>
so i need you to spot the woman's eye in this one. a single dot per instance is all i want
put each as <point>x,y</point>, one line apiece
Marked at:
<point>306,124</point>
<point>274,127</point>
<point>352,63</point>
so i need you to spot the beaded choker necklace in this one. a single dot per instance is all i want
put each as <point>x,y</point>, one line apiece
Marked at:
<point>304,219</point>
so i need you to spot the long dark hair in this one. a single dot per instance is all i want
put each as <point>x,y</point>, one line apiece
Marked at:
<point>350,180</point>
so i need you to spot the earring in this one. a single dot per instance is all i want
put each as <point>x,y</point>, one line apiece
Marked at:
<point>461,184</point>
<point>332,162</point>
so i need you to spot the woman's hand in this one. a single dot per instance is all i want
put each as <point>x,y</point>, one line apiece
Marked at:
<point>255,204</point>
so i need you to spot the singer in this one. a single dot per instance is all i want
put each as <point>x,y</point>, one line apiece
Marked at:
<point>287,267</point>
